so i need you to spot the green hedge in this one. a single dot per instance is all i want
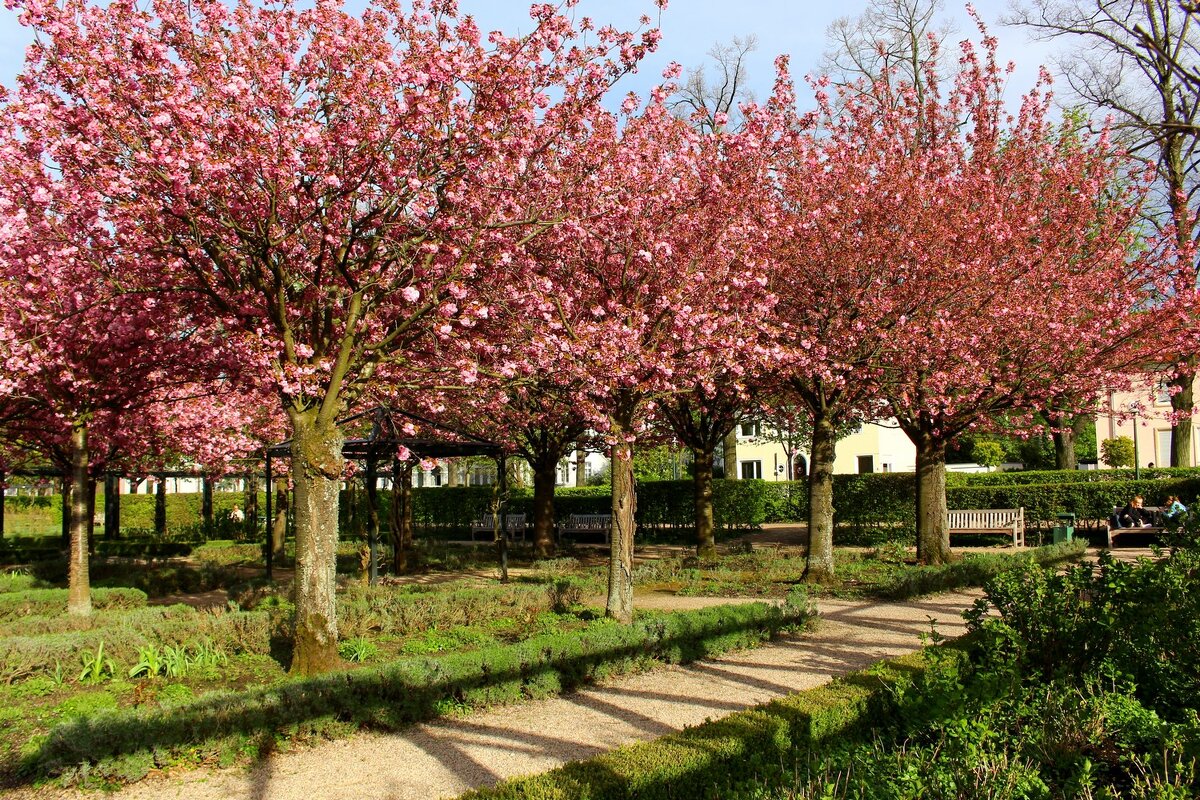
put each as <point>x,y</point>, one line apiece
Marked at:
<point>739,748</point>
<point>42,602</point>
<point>978,569</point>
<point>402,691</point>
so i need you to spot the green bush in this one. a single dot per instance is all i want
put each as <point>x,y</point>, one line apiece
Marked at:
<point>977,570</point>
<point>402,691</point>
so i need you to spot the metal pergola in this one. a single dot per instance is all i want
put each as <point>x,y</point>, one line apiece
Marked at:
<point>384,441</point>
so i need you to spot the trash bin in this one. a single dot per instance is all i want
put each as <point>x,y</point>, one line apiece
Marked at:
<point>1064,531</point>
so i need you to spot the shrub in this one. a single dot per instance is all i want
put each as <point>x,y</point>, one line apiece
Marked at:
<point>1117,452</point>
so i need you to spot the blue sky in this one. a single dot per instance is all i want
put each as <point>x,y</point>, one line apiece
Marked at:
<point>690,28</point>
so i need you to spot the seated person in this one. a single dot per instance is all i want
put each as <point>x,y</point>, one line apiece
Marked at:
<point>1133,515</point>
<point>1175,510</point>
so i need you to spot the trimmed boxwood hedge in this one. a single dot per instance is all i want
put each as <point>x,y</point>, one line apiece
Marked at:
<point>700,761</point>
<point>402,691</point>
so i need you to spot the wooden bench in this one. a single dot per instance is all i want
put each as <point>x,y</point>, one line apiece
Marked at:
<point>577,524</point>
<point>1115,530</point>
<point>1010,521</point>
<point>487,525</point>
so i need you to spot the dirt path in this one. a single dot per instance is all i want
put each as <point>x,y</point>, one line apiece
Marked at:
<point>444,758</point>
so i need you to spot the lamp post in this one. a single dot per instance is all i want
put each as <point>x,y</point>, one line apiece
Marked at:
<point>1137,461</point>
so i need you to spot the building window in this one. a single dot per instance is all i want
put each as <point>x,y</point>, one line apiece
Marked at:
<point>866,464</point>
<point>751,470</point>
<point>749,430</point>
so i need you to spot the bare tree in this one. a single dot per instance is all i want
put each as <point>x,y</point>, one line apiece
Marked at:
<point>710,93</point>
<point>892,39</point>
<point>1138,63</point>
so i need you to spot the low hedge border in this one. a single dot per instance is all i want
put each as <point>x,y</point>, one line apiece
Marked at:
<point>700,761</point>
<point>124,744</point>
<point>978,570</point>
<point>43,602</point>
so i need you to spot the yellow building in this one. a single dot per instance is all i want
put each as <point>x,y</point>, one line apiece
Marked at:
<point>1150,428</point>
<point>879,447</point>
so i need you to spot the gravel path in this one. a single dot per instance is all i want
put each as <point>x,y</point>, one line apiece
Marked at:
<point>447,757</point>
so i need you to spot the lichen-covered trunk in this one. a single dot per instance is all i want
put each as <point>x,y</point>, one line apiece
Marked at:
<point>400,519</point>
<point>933,538</point>
<point>702,486</point>
<point>729,455</point>
<point>1064,449</point>
<point>544,475</point>
<point>819,565</point>
<point>279,524</point>
<point>250,500</point>
<point>112,507</point>
<point>1183,401</point>
<point>206,505</point>
<point>79,589</point>
<point>317,467</point>
<point>581,467</point>
<point>624,503</point>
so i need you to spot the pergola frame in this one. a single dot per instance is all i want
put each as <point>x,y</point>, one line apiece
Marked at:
<point>385,441</point>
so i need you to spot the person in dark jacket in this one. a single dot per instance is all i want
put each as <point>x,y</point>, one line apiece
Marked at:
<point>1133,515</point>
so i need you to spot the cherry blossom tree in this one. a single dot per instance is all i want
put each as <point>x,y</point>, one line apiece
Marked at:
<point>340,192</point>
<point>839,289</point>
<point>1017,245</point>
<point>658,289</point>
<point>92,374</point>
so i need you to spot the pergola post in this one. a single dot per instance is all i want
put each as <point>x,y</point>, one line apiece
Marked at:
<point>502,516</point>
<point>2,492</point>
<point>372,481</point>
<point>269,544</point>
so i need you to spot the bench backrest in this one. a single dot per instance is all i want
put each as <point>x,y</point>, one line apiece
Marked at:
<point>985,518</point>
<point>589,520</point>
<point>488,521</point>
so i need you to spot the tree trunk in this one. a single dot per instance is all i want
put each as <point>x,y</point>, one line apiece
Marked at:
<point>112,507</point>
<point>65,512</point>
<point>279,524</point>
<point>1183,402</point>
<point>79,592</point>
<point>91,515</point>
<point>250,500</point>
<point>317,467</point>
<point>206,505</point>
<point>581,467</point>
<point>933,539</point>
<point>819,565</point>
<point>729,454</point>
<point>702,485</point>
<point>1064,443</point>
<point>544,475</point>
<point>160,506</point>
<point>624,501</point>
<point>401,523</point>
<point>452,473</point>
